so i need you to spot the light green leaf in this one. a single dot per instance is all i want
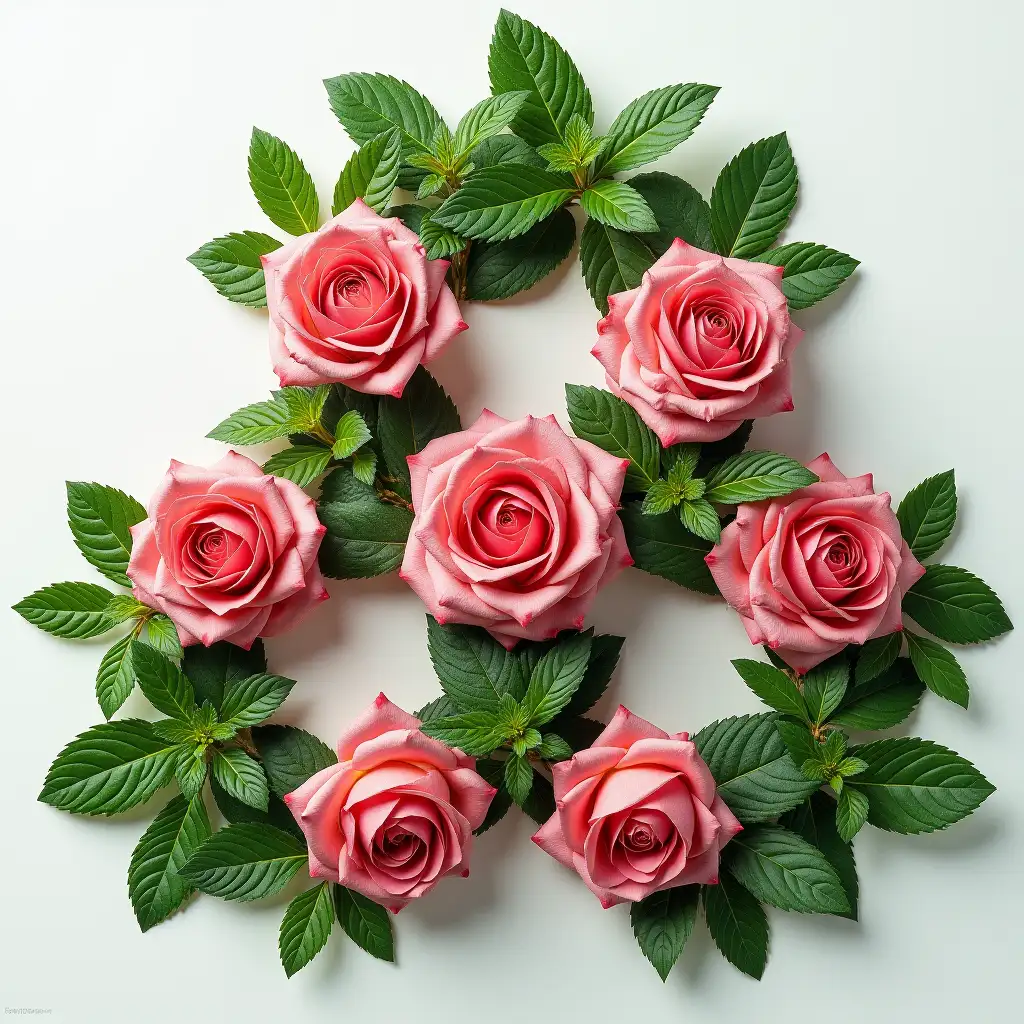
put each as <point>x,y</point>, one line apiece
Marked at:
<point>101,519</point>
<point>370,174</point>
<point>617,205</point>
<point>773,686</point>
<point>258,423</point>
<point>166,687</point>
<point>824,687</point>
<point>233,266</point>
<point>350,433</point>
<point>115,679</point>
<point>754,476</point>
<point>430,185</point>
<point>487,118</point>
<point>191,768</point>
<point>753,198</point>
<point>660,498</point>
<point>927,514</point>
<point>938,669</point>
<point>556,677</point>
<point>876,656</point>
<point>305,927</point>
<point>518,778</point>
<point>851,813</point>
<point>662,546</point>
<point>612,261</point>
<point>282,185</point>
<point>956,606</point>
<point>663,922</point>
<point>810,272</point>
<point>290,756</point>
<point>161,633</point>
<point>737,924</point>
<point>301,463</point>
<point>475,671</point>
<point>700,518</point>
<point>249,701</point>
<point>881,702</point>
<point>476,733</point>
<point>366,923</point>
<point>241,777</point>
<point>74,611</point>
<point>123,607</point>
<point>364,466</point>
<point>439,241</point>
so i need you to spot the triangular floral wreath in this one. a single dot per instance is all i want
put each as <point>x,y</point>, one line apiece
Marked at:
<point>507,530</point>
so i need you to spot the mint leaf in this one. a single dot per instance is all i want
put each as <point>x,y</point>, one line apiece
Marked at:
<point>753,198</point>
<point>851,813</point>
<point>364,466</point>
<point>237,813</point>
<point>162,634</point>
<point>211,669</point>
<point>503,201</point>
<point>556,677</point>
<point>775,688</point>
<point>754,476</point>
<point>282,185</point>
<point>305,927</point>
<point>610,423</point>
<point>101,519</point>
<point>881,702</point>
<point>700,518</point>
<point>518,778</point>
<point>504,149</point>
<point>824,687</point>
<point>553,748</point>
<point>618,205</point>
<point>475,671</point>
<point>799,742</point>
<point>301,463</point>
<point>109,768</point>
<point>476,733</point>
<point>755,775</point>
<point>498,270</point>
<point>290,756</point>
<point>251,700</point>
<point>439,241</point>
<point>810,272</point>
<point>370,174</point>
<point>493,772</point>
<point>612,261</point>
<point>241,777</point>
<point>663,922</point>
<point>522,57</point>
<point>653,125</point>
<point>681,211</point>
<point>540,804</point>
<point>257,423</point>
<point>604,656</point>
<point>956,606</point>
<point>783,870</point>
<point>74,611</point>
<point>164,684</point>
<point>737,924</point>
<point>245,862</point>
<point>938,669</point>
<point>439,707</point>
<point>115,679</point>
<point>914,785</point>
<point>927,514</point>
<point>232,265</point>
<point>191,768</point>
<point>154,885</point>
<point>350,433</point>
<point>366,923</point>
<point>876,656</point>
<point>662,546</point>
<point>487,118</point>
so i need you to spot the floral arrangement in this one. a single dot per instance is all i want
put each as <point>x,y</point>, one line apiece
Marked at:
<point>507,530</point>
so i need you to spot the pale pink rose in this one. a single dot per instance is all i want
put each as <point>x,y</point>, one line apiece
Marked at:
<point>703,344</point>
<point>637,813</point>
<point>516,527</point>
<point>821,568</point>
<point>228,553</point>
<point>357,302</point>
<point>395,814</point>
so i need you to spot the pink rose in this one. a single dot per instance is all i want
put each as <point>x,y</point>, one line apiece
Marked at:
<point>516,527</point>
<point>637,812</point>
<point>395,814</point>
<point>821,568</point>
<point>703,344</point>
<point>228,553</point>
<point>357,302</point>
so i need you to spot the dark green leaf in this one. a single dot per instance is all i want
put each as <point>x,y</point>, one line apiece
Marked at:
<point>876,656</point>
<point>505,149</point>
<point>556,678</point>
<point>798,740</point>
<point>474,669</point>
<point>74,611</point>
<point>604,656</point>
<point>493,773</point>
<point>101,519</point>
<point>370,174</point>
<point>663,922</point>
<point>241,777</point>
<point>927,514</point>
<point>938,669</point>
<point>251,700</point>
<point>956,606</point>
<point>754,476</point>
<point>115,679</point>
<point>737,924</point>
<point>166,687</point>
<point>282,185</point>
<point>825,686</point>
<point>851,813</point>
<point>439,707</point>
<point>881,702</point>
<point>774,687</point>
<point>306,927</point>
<point>237,813</point>
<point>290,756</point>
<point>612,261</point>
<point>440,242</point>
<point>681,211</point>
<point>662,546</point>
<point>232,265</point>
<point>540,804</point>
<point>518,778</point>
<point>366,923</point>
<point>810,272</point>
<point>211,669</point>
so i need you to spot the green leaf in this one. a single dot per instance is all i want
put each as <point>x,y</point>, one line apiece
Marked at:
<point>653,125</point>
<point>370,174</point>
<point>237,813</point>
<point>604,656</point>
<point>737,924</point>
<point>410,215</point>
<point>927,514</point>
<point>474,669</point>
<point>241,777</point>
<point>540,804</point>
<point>851,813</point>
<point>754,476</point>
<point>161,633</point>
<point>825,686</point>
<point>440,242</point>
<point>553,748</point>
<point>439,707</point>
<point>938,669</point>
<point>718,451</point>
<point>109,768</point>
<point>815,820</point>
<point>618,205</point>
<point>115,679</point>
<point>785,871</point>
<point>914,785</point>
<point>154,885</point>
<point>74,611</point>
<point>610,423</point>
<point>493,772</point>
<point>503,201</point>
<point>211,669</point>
<point>798,740</point>
<point>164,684</point>
<point>876,656</point>
<point>290,756</point>
<point>681,212</point>
<point>701,519</point>
<point>364,466</point>
<point>498,270</point>
<point>810,272</point>
<point>663,922</point>
<point>306,927</point>
<point>407,424</point>
<point>233,266</point>
<point>504,149</point>
<point>556,677</point>
<point>775,688</point>
<point>522,57</point>
<point>123,607</point>
<point>612,261</point>
<point>662,546</point>
<point>518,778</point>
<point>487,118</point>
<point>881,702</point>
<point>257,423</point>
<point>191,768</point>
<point>249,701</point>
<point>282,185</point>
<point>476,733</point>
<point>301,463</point>
<point>350,433</point>
<point>753,770</point>
<point>101,519</point>
<point>956,606</point>
<point>753,197</point>
<point>366,923</point>
<point>245,862</point>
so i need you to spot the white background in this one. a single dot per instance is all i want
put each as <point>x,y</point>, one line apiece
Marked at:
<point>125,130</point>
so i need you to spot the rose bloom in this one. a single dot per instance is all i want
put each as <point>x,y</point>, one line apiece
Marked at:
<point>516,527</point>
<point>357,302</point>
<point>395,814</point>
<point>703,344</point>
<point>637,813</point>
<point>821,568</point>
<point>228,553</point>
